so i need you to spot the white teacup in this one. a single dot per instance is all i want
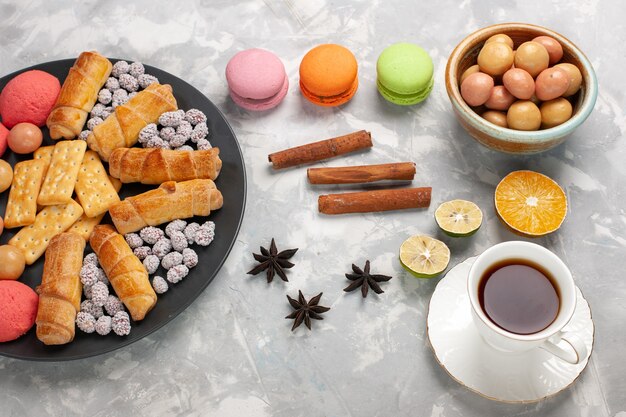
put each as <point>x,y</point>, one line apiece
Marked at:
<point>548,338</point>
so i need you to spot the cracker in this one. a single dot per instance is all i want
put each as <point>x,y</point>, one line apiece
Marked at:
<point>93,188</point>
<point>61,177</point>
<point>34,239</point>
<point>84,226</point>
<point>22,205</point>
<point>117,184</point>
<point>45,154</point>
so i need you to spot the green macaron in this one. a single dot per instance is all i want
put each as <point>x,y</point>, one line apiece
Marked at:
<point>405,74</point>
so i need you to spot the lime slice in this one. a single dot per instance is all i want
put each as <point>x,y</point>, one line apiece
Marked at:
<point>459,218</point>
<point>424,256</point>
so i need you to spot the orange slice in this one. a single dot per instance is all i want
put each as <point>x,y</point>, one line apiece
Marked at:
<point>530,203</point>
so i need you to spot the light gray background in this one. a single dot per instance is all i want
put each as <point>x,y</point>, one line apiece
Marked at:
<point>232,353</point>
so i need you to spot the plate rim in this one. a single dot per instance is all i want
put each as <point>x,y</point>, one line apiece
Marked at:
<point>171,317</point>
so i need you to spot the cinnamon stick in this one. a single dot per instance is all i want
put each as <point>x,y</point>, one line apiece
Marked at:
<point>377,200</point>
<point>323,149</point>
<point>362,173</point>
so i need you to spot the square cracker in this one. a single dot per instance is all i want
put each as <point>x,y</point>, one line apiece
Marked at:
<point>61,177</point>
<point>117,184</point>
<point>93,187</point>
<point>22,205</point>
<point>34,239</point>
<point>45,154</point>
<point>84,226</point>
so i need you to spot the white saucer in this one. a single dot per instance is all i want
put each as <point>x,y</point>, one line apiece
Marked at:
<point>518,378</point>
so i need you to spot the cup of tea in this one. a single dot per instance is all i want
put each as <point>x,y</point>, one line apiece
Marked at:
<point>522,296</point>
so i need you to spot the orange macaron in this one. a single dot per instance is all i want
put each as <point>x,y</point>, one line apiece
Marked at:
<point>328,75</point>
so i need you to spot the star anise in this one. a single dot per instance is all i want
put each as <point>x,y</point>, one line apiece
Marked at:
<point>365,280</point>
<point>305,311</point>
<point>273,261</point>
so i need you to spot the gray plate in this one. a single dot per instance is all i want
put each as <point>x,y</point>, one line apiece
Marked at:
<point>232,184</point>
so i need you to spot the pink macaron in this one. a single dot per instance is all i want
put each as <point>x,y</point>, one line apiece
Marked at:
<point>257,79</point>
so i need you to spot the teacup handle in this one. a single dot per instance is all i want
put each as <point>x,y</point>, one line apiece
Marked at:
<point>574,355</point>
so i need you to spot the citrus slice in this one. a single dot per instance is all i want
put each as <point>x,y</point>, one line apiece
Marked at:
<point>424,256</point>
<point>459,218</point>
<point>530,203</point>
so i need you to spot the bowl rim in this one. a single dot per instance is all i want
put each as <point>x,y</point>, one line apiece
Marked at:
<point>589,93</point>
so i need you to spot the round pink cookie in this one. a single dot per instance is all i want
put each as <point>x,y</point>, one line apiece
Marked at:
<point>29,97</point>
<point>256,79</point>
<point>4,133</point>
<point>261,104</point>
<point>18,309</point>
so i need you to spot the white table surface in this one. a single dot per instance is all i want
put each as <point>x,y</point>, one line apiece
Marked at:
<point>232,353</point>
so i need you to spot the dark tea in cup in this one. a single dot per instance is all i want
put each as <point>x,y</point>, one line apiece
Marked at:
<point>522,296</point>
<point>519,296</point>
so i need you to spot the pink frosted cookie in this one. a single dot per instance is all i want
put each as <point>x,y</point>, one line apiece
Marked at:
<point>18,309</point>
<point>256,79</point>
<point>4,134</point>
<point>29,97</point>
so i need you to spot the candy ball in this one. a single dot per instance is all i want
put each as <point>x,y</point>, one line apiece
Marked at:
<point>575,77</point>
<point>532,57</point>
<point>519,83</point>
<point>523,115</point>
<point>554,48</point>
<point>24,138</point>
<point>6,175</point>
<point>555,112</point>
<point>501,37</point>
<point>12,262</point>
<point>471,70</point>
<point>500,98</point>
<point>476,89</point>
<point>495,58</point>
<point>551,83</point>
<point>498,118</point>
